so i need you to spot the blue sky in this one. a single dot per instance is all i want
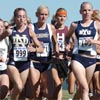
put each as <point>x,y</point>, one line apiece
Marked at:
<point>72,6</point>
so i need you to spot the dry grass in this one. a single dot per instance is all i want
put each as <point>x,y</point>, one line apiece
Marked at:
<point>66,95</point>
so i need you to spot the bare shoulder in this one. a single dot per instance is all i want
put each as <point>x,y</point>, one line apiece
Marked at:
<point>72,27</point>
<point>74,24</point>
<point>97,24</point>
<point>31,32</point>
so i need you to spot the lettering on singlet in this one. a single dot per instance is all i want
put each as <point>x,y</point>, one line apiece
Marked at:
<point>82,43</point>
<point>61,41</point>
<point>44,36</point>
<point>82,35</point>
<point>20,49</point>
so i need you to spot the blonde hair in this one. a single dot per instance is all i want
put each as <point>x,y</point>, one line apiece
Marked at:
<point>84,3</point>
<point>40,8</point>
<point>96,15</point>
<point>28,20</point>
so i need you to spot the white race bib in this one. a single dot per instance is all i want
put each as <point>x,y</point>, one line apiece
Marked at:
<point>61,45</point>
<point>20,54</point>
<point>61,41</point>
<point>45,52</point>
<point>83,43</point>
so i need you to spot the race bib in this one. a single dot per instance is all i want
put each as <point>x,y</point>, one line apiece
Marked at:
<point>45,52</point>
<point>20,54</point>
<point>61,45</point>
<point>61,41</point>
<point>83,43</point>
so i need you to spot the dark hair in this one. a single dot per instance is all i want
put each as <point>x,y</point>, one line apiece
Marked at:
<point>12,21</point>
<point>53,20</point>
<point>6,24</point>
<point>17,10</point>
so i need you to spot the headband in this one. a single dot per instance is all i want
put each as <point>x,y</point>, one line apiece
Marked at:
<point>61,13</point>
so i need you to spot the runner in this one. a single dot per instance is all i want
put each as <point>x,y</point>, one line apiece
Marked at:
<point>19,63</point>
<point>4,79</point>
<point>96,77</point>
<point>83,61</point>
<point>40,62</point>
<point>60,69</point>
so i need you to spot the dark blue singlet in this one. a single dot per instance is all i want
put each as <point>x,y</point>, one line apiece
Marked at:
<point>18,55</point>
<point>83,33</point>
<point>44,37</point>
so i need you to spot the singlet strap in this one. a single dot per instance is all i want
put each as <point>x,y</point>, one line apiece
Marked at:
<point>49,28</point>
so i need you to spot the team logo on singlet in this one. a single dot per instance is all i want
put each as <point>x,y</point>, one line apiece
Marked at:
<point>85,34</point>
<point>46,46</point>
<point>20,40</point>
<point>42,35</point>
<point>20,49</point>
<point>61,41</point>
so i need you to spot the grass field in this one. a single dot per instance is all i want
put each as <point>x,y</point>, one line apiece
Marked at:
<point>66,95</point>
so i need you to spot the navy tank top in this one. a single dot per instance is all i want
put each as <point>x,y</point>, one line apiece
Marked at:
<point>43,36</point>
<point>83,33</point>
<point>19,44</point>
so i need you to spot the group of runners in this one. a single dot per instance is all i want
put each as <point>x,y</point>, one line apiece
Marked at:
<point>36,58</point>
